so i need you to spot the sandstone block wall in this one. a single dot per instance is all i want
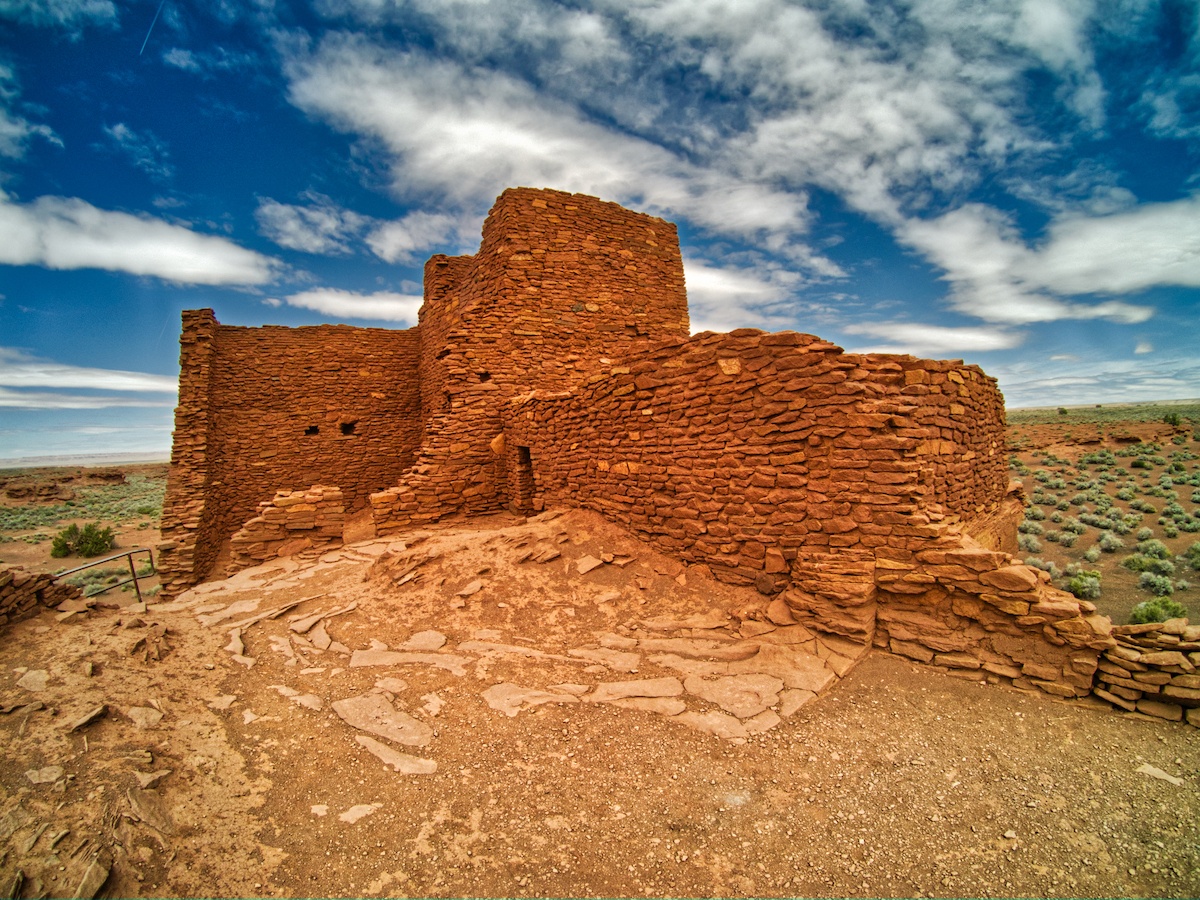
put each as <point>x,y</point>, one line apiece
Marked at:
<point>744,450</point>
<point>562,285</point>
<point>22,593</point>
<point>265,409</point>
<point>1154,669</point>
<point>847,484</point>
<point>288,523</point>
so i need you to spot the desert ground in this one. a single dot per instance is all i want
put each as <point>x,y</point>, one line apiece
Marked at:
<point>502,707</point>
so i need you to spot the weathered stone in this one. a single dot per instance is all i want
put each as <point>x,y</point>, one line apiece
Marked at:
<point>403,763</point>
<point>1172,712</point>
<point>742,695</point>
<point>374,714</point>
<point>646,687</point>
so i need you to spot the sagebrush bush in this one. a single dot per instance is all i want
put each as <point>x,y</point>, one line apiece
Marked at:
<point>1158,585</point>
<point>1157,610</point>
<point>91,540</point>
<point>1109,542</point>
<point>1085,585</point>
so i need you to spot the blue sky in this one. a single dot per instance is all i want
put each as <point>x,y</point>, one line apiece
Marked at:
<point>1014,183</point>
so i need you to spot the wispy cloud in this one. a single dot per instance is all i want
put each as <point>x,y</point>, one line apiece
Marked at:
<point>465,134</point>
<point>69,233</point>
<point>385,306</point>
<point>318,226</point>
<point>67,14</point>
<point>24,372</point>
<point>15,130</point>
<point>145,151</point>
<point>933,340</point>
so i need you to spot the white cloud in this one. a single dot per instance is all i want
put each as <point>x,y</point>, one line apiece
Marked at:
<point>996,277</point>
<point>1143,347</point>
<point>144,151</point>
<point>70,14</point>
<point>723,298</point>
<point>19,369</point>
<point>934,340</point>
<point>69,233</point>
<point>22,371</point>
<point>340,304</point>
<point>1152,244</point>
<point>319,226</point>
<point>15,131</point>
<point>404,240</point>
<point>467,134</point>
<point>1097,380</point>
<point>10,399</point>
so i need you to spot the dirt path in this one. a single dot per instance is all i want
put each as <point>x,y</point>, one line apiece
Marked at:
<point>897,781</point>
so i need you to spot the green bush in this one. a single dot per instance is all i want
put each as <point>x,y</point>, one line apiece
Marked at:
<point>1085,585</point>
<point>1158,585</point>
<point>1171,419</point>
<point>1158,610</point>
<point>1153,547</point>
<point>1110,543</point>
<point>91,540</point>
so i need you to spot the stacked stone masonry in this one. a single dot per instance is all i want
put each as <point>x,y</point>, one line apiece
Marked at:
<point>1154,669</point>
<point>866,495</point>
<point>23,593</point>
<point>290,523</point>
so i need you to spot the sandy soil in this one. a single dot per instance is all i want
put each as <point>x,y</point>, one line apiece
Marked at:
<point>898,780</point>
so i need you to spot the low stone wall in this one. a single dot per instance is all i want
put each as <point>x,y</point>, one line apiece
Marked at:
<point>1154,669</point>
<point>23,593</point>
<point>290,522</point>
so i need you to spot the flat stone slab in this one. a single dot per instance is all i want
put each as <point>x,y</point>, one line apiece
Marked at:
<point>645,687</point>
<point>45,775</point>
<point>491,648</point>
<point>698,648</point>
<point>354,813</point>
<point>149,806</point>
<point>663,706</point>
<point>403,763</point>
<point>586,564</point>
<point>34,680</point>
<point>145,716</point>
<point>425,640</point>
<point>713,618</point>
<point>795,669</point>
<point>448,661</point>
<point>511,698</point>
<point>374,714</point>
<point>715,723</point>
<point>617,660</point>
<point>742,695</point>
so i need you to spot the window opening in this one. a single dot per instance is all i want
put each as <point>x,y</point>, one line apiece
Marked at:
<point>348,427</point>
<point>312,429</point>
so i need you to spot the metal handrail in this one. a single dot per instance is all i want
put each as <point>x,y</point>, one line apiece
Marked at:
<point>132,570</point>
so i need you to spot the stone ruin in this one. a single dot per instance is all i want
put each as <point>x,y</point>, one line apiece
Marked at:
<point>865,496</point>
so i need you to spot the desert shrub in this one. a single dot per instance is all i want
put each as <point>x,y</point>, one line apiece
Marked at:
<point>1066,539</point>
<point>1109,542</point>
<point>1153,547</point>
<point>1171,419</point>
<point>1158,610</point>
<point>1140,463</point>
<point>1029,544</point>
<point>1074,526</point>
<point>1056,517</point>
<point>1053,536</point>
<point>91,540</point>
<point>1085,585</point>
<point>1182,585</point>
<point>1092,555</point>
<point>1028,527</point>
<point>1170,531</point>
<point>1138,563</point>
<point>1062,505</point>
<point>1045,565</point>
<point>1158,585</point>
<point>1144,506</point>
<point>1144,534</point>
<point>1034,514</point>
<point>1126,494</point>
